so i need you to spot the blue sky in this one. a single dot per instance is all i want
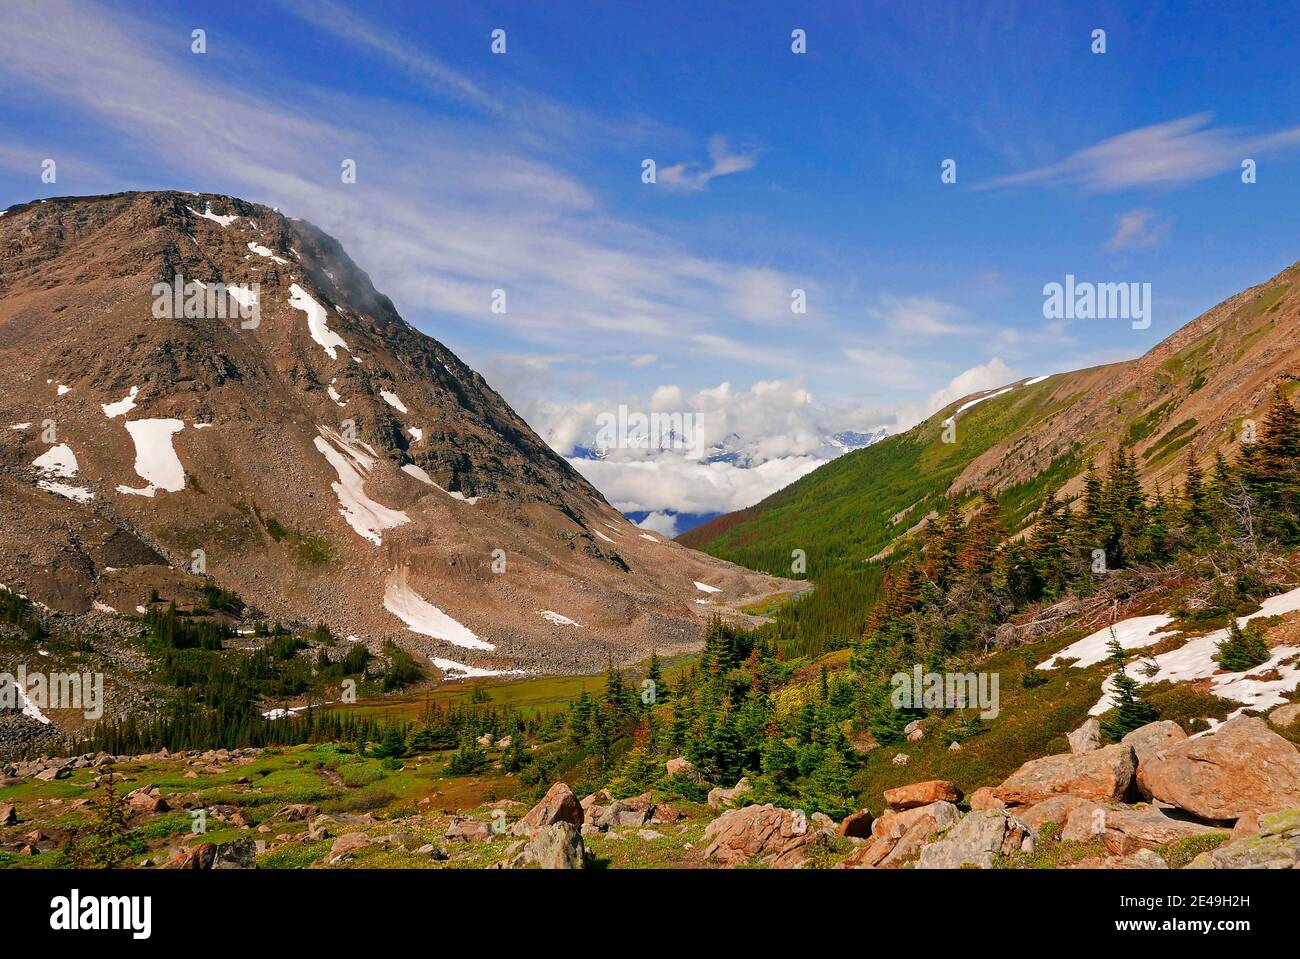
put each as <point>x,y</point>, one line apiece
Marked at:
<point>818,171</point>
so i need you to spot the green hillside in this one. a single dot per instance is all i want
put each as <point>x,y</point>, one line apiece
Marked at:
<point>853,507</point>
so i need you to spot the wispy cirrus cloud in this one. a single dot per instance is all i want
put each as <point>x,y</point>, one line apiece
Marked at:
<point>432,73</point>
<point>918,316</point>
<point>1138,229</point>
<point>1161,155</point>
<point>500,217</point>
<point>695,177</point>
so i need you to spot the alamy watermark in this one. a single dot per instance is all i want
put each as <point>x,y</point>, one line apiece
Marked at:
<point>24,690</point>
<point>922,690</point>
<point>1074,300</point>
<point>195,300</point>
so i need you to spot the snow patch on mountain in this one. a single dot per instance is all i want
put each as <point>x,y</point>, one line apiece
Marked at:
<point>410,469</point>
<point>421,616</point>
<point>558,620</point>
<point>266,252</point>
<point>317,322</point>
<point>155,457</point>
<point>123,406</point>
<point>58,461</point>
<point>366,517</point>
<point>207,214</point>
<point>1194,661</point>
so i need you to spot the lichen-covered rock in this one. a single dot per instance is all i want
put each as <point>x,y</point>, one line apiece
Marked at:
<point>922,794</point>
<point>976,840</point>
<point>1243,766</point>
<point>898,836</point>
<point>720,798</point>
<point>780,838</point>
<point>558,805</point>
<point>1103,775</point>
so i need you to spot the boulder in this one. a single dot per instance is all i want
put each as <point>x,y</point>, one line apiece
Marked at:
<point>346,844</point>
<point>901,759</point>
<point>975,840</point>
<point>557,845</point>
<point>1054,810</point>
<point>53,773</point>
<point>898,836</point>
<point>201,856</point>
<point>983,798</point>
<point>1086,738</point>
<point>1142,859</point>
<point>558,805</point>
<point>1243,766</point>
<point>1285,716</point>
<point>922,794</point>
<point>468,830</point>
<point>298,811</point>
<point>720,798</point>
<point>236,854</point>
<point>856,824</point>
<point>1126,829</point>
<point>1149,740</point>
<point>636,811</point>
<point>780,838</point>
<point>147,800</point>
<point>1103,775</point>
<point>8,814</point>
<point>666,812</point>
<point>1153,737</point>
<point>682,767</point>
<point>1085,821</point>
<point>1277,846</point>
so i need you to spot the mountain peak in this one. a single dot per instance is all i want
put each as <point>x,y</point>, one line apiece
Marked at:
<point>237,399</point>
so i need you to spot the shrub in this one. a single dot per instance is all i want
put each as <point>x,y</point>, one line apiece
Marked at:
<point>1243,649</point>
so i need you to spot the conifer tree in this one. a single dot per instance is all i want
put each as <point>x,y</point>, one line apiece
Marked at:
<point>1242,649</point>
<point>1131,710</point>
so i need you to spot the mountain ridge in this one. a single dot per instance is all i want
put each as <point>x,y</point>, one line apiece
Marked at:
<point>332,463</point>
<point>1188,394</point>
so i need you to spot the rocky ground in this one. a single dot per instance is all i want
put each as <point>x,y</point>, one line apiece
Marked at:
<point>1226,799</point>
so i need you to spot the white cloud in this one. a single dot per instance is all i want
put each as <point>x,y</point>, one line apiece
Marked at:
<point>662,523</point>
<point>977,379</point>
<point>671,482</point>
<point>433,74</point>
<point>1137,229</point>
<point>694,177</point>
<point>1163,154</point>
<point>918,316</point>
<point>499,217</point>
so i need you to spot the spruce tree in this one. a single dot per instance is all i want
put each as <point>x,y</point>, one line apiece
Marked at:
<point>1243,649</point>
<point>1131,710</point>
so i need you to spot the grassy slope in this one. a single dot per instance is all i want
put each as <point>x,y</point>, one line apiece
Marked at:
<point>843,512</point>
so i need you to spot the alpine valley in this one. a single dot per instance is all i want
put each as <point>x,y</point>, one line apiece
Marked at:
<point>346,603</point>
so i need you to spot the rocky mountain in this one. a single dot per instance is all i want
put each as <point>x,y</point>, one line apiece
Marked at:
<point>1194,394</point>
<point>194,388</point>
